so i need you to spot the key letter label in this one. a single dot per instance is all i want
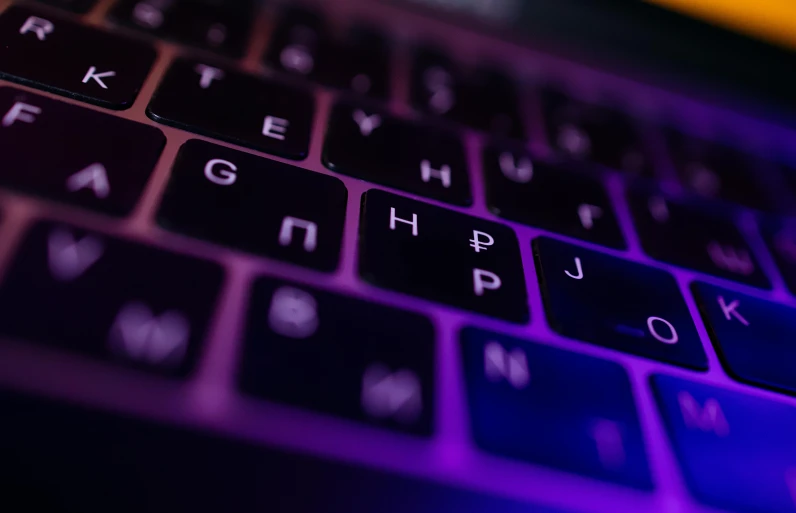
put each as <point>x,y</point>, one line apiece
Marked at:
<point>574,140</point>
<point>608,438</point>
<point>297,58</point>
<point>147,15</point>
<point>138,335</point>
<point>393,219</point>
<point>275,127</point>
<point>38,26</point>
<point>588,213</point>
<point>500,364</point>
<point>97,77</point>
<point>69,258</point>
<point>94,177</point>
<point>22,112</point>
<point>479,244</point>
<point>736,260</point>
<point>224,176</point>
<point>443,173</point>
<point>671,339</point>
<point>310,234</point>
<point>367,124</point>
<point>708,418</point>
<point>391,394</point>
<point>520,172</point>
<point>731,310</point>
<point>208,74</point>
<point>438,83</point>
<point>479,285</point>
<point>658,209</point>
<point>578,268</point>
<point>293,313</point>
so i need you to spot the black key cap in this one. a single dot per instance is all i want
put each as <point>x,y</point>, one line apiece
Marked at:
<point>616,303</point>
<point>87,158</point>
<point>753,337</point>
<point>188,471</point>
<point>255,204</point>
<point>526,402</point>
<point>339,355</point>
<point>362,64</point>
<point>781,240</point>
<point>372,145</point>
<point>109,299</point>
<point>485,100</point>
<point>445,256</point>
<point>540,194</point>
<point>238,108</point>
<point>213,25</point>
<point>300,44</point>
<point>593,134</point>
<point>67,58</point>
<point>685,236</point>
<point>77,6</point>
<point>736,451</point>
<point>715,171</point>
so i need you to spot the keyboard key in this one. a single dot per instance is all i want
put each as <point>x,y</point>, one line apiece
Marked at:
<point>212,25</point>
<point>372,145</point>
<point>715,171</point>
<point>255,204</point>
<point>427,251</point>
<point>486,99</point>
<point>526,402</point>
<point>339,355</point>
<point>781,240</point>
<point>300,44</point>
<point>752,336</point>
<point>77,6</point>
<point>234,107</point>
<point>363,64</point>
<point>616,303</point>
<point>737,451</point>
<point>187,470</point>
<point>686,236</point>
<point>540,194</point>
<point>73,154</point>
<point>594,134</point>
<point>51,53</point>
<point>110,299</point>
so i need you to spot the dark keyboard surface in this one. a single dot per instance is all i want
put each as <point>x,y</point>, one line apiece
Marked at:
<point>312,264</point>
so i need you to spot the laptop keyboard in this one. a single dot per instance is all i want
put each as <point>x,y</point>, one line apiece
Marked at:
<point>334,271</point>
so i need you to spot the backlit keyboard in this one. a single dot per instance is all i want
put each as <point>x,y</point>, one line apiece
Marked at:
<point>286,258</point>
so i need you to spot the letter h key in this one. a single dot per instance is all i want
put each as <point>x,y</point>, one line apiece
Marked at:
<point>444,256</point>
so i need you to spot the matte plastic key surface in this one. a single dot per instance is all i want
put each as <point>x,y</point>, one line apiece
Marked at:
<point>524,189</point>
<point>201,97</point>
<point>540,404</point>
<point>368,143</point>
<point>48,52</point>
<point>737,451</point>
<point>445,256</point>
<point>255,204</point>
<point>691,237</point>
<point>616,303</point>
<point>74,154</point>
<point>340,355</point>
<point>109,299</point>
<point>753,337</point>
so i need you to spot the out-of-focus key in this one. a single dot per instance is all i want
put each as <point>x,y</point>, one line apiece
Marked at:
<point>109,299</point>
<point>241,109</point>
<point>74,154</point>
<point>77,6</point>
<point>541,404</point>
<point>737,451</point>
<point>51,53</point>
<point>339,355</point>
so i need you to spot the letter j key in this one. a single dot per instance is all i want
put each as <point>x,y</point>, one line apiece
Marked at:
<point>737,451</point>
<point>615,303</point>
<point>437,254</point>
